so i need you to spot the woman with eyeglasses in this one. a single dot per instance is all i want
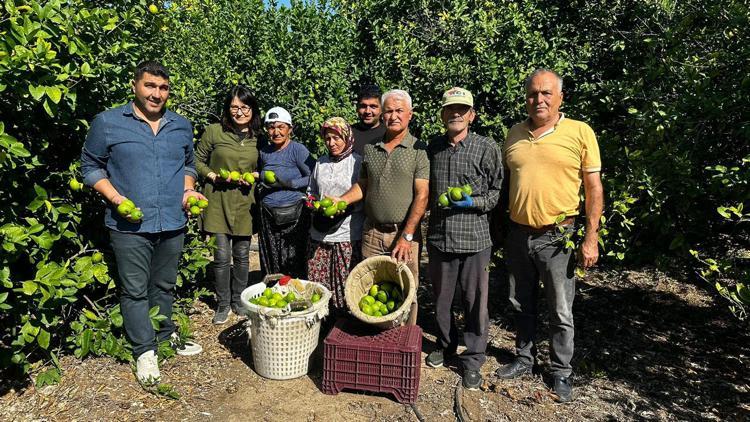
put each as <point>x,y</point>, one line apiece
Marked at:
<point>284,172</point>
<point>335,246</point>
<point>230,146</point>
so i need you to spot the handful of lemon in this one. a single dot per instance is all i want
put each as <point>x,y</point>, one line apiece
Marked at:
<point>128,210</point>
<point>326,207</point>
<point>196,206</point>
<point>454,194</point>
<point>381,299</point>
<point>235,176</point>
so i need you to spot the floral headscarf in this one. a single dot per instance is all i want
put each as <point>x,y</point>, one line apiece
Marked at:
<point>339,125</point>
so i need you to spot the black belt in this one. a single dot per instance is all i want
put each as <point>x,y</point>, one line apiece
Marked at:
<point>544,229</point>
<point>386,227</point>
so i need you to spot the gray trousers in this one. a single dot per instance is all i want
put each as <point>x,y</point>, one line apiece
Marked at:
<point>231,265</point>
<point>532,257</point>
<point>468,272</point>
<point>147,272</point>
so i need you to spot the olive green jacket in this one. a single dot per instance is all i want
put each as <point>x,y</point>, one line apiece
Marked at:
<point>228,204</point>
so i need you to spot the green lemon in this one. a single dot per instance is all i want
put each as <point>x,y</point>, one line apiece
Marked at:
<point>268,292</point>
<point>367,310</point>
<point>202,203</point>
<point>315,297</point>
<point>386,287</point>
<point>382,296</point>
<point>269,177</point>
<point>97,257</point>
<point>281,304</point>
<point>224,174</point>
<point>290,297</point>
<point>235,176</point>
<point>341,205</point>
<point>192,200</point>
<point>456,194</point>
<point>272,302</point>
<point>369,299</point>
<point>326,202</point>
<point>467,189</point>
<point>124,208</point>
<point>391,305</point>
<point>263,301</point>
<point>195,210</point>
<point>443,199</point>
<point>75,185</point>
<point>153,9</point>
<point>377,314</point>
<point>248,177</point>
<point>278,296</point>
<point>136,214</point>
<point>330,211</point>
<point>374,290</point>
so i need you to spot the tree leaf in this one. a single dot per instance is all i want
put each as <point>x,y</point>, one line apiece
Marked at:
<point>54,93</point>
<point>37,92</point>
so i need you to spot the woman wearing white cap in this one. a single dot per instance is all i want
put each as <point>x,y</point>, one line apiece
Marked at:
<point>284,169</point>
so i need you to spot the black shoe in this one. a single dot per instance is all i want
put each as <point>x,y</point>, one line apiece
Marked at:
<point>222,315</point>
<point>563,387</point>
<point>513,370</point>
<point>472,379</point>
<point>238,310</point>
<point>436,358</point>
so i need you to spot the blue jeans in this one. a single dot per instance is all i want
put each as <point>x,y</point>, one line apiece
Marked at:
<point>531,257</point>
<point>147,272</point>
<point>232,256</point>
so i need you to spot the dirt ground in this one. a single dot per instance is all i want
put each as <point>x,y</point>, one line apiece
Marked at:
<point>647,348</point>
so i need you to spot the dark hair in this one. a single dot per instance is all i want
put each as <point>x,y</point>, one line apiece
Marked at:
<point>243,94</point>
<point>368,91</point>
<point>151,67</point>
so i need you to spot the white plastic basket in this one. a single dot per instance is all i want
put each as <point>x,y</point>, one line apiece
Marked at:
<point>282,341</point>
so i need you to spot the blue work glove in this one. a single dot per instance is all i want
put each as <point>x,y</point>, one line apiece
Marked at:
<point>465,202</point>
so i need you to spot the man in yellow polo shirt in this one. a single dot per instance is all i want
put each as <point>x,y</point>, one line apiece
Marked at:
<point>548,157</point>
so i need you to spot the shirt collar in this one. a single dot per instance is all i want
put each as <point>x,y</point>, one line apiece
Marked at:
<point>408,141</point>
<point>127,110</point>
<point>527,122</point>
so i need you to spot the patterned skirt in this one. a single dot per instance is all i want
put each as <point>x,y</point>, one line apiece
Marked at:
<point>283,249</point>
<point>330,264</point>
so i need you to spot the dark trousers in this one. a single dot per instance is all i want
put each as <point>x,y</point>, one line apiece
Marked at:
<point>532,257</point>
<point>468,272</point>
<point>147,272</point>
<point>231,265</point>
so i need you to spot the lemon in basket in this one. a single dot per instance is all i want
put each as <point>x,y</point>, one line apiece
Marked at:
<point>374,290</point>
<point>268,292</point>
<point>315,297</point>
<point>382,296</point>
<point>290,297</point>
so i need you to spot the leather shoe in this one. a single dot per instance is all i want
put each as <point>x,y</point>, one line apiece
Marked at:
<point>513,370</point>
<point>563,388</point>
<point>472,379</point>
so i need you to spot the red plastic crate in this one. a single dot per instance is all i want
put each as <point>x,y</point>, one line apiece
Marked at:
<point>358,358</point>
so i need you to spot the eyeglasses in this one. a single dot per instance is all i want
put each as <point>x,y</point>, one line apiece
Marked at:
<point>245,109</point>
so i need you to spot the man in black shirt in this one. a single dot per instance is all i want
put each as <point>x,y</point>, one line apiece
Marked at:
<point>368,129</point>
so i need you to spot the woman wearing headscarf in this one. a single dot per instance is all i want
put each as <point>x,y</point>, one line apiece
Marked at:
<point>335,242</point>
<point>232,146</point>
<point>284,169</point>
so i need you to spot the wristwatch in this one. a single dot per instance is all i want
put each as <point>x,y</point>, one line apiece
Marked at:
<point>408,236</point>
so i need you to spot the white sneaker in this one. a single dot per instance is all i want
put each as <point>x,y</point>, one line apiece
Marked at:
<point>190,348</point>
<point>147,368</point>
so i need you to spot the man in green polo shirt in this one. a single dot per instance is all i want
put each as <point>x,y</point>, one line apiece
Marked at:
<point>394,182</point>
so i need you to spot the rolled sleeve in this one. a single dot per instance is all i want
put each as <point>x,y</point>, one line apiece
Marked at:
<point>95,153</point>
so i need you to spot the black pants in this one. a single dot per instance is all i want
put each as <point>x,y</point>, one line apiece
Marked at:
<point>231,265</point>
<point>468,272</point>
<point>147,273</point>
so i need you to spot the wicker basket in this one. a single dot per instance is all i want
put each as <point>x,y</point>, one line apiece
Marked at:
<point>377,269</point>
<point>281,340</point>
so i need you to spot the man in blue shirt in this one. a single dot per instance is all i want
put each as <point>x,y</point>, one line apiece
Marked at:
<point>144,153</point>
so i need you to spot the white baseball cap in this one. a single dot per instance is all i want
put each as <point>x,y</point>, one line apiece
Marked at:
<point>278,114</point>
